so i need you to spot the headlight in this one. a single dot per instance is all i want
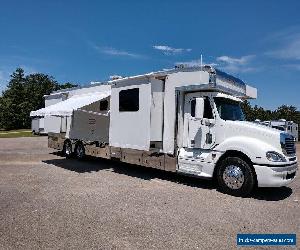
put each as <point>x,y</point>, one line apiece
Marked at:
<point>274,156</point>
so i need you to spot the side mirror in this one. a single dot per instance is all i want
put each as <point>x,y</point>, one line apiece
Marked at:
<point>199,110</point>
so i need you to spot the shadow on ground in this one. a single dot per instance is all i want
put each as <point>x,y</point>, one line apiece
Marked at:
<point>272,194</point>
<point>94,165</point>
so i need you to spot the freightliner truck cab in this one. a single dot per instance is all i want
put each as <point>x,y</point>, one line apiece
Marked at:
<point>239,154</point>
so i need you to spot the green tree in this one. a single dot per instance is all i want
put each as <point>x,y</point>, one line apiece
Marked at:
<point>24,94</point>
<point>67,85</point>
<point>12,98</point>
<point>286,112</point>
<point>248,111</point>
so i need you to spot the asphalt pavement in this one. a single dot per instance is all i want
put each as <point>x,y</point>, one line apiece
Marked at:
<point>48,202</point>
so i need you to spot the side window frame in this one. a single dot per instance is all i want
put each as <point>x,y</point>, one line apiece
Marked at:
<point>103,105</point>
<point>129,100</point>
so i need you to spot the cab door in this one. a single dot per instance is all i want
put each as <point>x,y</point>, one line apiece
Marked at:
<point>198,121</point>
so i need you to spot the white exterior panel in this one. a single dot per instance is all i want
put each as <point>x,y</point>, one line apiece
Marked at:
<point>131,129</point>
<point>157,97</point>
<point>251,92</point>
<point>42,123</point>
<point>35,125</point>
<point>177,80</point>
<point>52,124</point>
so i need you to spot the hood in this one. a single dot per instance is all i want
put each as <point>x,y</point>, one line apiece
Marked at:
<point>258,128</point>
<point>253,130</point>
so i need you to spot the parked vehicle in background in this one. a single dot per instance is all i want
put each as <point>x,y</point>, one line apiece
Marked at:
<point>185,120</point>
<point>41,124</point>
<point>289,127</point>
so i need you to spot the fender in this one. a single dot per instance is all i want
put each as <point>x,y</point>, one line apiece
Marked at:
<point>254,148</point>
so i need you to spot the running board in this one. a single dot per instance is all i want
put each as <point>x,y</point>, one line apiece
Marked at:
<point>188,166</point>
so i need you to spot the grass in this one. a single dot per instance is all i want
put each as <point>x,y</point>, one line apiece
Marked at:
<point>16,133</point>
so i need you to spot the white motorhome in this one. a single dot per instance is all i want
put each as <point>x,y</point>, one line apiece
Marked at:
<point>40,124</point>
<point>186,120</point>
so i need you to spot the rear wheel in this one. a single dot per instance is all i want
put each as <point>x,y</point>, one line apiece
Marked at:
<point>236,177</point>
<point>67,149</point>
<point>79,151</point>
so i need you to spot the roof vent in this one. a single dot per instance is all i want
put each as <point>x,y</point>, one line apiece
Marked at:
<point>180,66</point>
<point>115,77</point>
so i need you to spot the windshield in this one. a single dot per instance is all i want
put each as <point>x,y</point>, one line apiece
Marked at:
<point>229,109</point>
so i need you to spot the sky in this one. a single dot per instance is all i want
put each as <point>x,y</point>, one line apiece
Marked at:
<point>84,41</point>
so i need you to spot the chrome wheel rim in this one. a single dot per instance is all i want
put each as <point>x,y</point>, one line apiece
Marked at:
<point>233,177</point>
<point>68,149</point>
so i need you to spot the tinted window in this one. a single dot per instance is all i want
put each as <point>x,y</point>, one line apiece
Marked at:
<point>207,109</point>
<point>229,109</point>
<point>129,100</point>
<point>103,105</point>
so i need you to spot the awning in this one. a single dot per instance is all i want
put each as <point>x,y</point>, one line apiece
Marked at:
<point>66,108</point>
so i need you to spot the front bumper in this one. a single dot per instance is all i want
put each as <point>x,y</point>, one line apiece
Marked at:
<point>275,176</point>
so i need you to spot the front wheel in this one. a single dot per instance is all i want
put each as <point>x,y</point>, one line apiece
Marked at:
<point>79,151</point>
<point>236,177</point>
<point>67,149</point>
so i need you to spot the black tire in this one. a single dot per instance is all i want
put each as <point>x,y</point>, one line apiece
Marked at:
<point>79,151</point>
<point>67,149</point>
<point>236,177</point>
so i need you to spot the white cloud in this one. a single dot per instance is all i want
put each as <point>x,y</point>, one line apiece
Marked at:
<point>236,65</point>
<point>226,63</point>
<point>28,69</point>
<point>1,76</point>
<point>290,50</point>
<point>293,66</point>
<point>194,63</point>
<point>4,77</point>
<point>288,44</point>
<point>239,61</point>
<point>116,52</point>
<point>167,50</point>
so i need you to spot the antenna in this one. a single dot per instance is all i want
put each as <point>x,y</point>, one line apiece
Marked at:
<point>201,61</point>
<point>200,67</point>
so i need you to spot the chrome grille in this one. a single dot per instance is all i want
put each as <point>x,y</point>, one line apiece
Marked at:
<point>289,145</point>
